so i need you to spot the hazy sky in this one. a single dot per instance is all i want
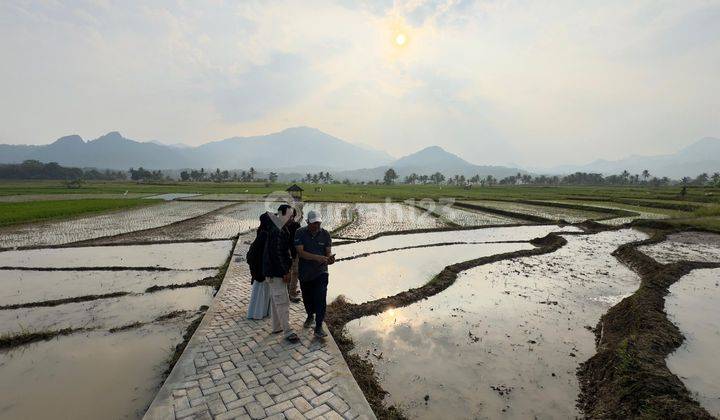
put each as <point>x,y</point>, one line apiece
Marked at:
<point>527,82</point>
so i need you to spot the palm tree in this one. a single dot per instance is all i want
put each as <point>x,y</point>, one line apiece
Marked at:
<point>645,174</point>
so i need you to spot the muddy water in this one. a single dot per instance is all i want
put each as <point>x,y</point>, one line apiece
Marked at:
<point>179,256</point>
<point>692,305</point>
<point>691,246</point>
<point>105,313</point>
<point>548,212</point>
<point>505,339</point>
<point>522,233</point>
<point>83,228</point>
<point>373,218</point>
<point>387,274</point>
<point>94,375</point>
<point>27,286</point>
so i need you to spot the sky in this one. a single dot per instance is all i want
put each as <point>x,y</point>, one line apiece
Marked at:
<point>534,83</point>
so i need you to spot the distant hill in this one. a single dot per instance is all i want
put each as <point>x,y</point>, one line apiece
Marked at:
<point>300,147</point>
<point>701,156</point>
<point>426,162</point>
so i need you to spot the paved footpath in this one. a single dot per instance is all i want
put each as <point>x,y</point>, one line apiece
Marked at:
<point>235,368</point>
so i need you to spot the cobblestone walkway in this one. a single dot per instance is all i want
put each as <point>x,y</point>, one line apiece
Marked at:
<point>235,368</point>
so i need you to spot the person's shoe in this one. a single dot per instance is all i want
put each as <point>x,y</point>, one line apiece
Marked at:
<point>294,299</point>
<point>309,321</point>
<point>293,338</point>
<point>320,334</point>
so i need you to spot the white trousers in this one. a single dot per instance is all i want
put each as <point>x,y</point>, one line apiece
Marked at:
<point>280,305</point>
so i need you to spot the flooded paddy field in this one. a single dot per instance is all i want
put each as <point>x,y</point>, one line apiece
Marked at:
<point>546,212</point>
<point>171,196</point>
<point>494,234</point>
<point>467,217</point>
<point>505,339</point>
<point>89,375</point>
<point>374,218</point>
<point>22,198</point>
<point>176,256</point>
<point>640,212</point>
<point>690,246</point>
<point>222,223</point>
<point>388,273</point>
<point>226,197</point>
<point>18,287</point>
<point>106,313</point>
<point>91,330</point>
<point>90,227</point>
<point>334,215</point>
<point>692,305</point>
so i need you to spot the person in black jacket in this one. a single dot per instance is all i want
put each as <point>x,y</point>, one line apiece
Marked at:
<point>292,226</point>
<point>259,306</point>
<point>277,263</point>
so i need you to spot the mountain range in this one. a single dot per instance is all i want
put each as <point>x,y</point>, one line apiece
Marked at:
<point>296,151</point>
<point>700,156</point>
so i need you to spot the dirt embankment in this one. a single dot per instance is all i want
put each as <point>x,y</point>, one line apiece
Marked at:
<point>340,312</point>
<point>628,376</point>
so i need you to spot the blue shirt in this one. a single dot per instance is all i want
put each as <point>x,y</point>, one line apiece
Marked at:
<point>317,244</point>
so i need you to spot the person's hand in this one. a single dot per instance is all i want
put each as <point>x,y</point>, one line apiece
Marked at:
<point>322,259</point>
<point>331,259</point>
<point>286,278</point>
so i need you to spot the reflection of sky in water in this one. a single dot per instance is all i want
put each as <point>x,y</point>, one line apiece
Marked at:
<point>498,325</point>
<point>88,375</point>
<point>105,313</point>
<point>25,286</point>
<point>389,273</point>
<point>180,256</point>
<point>523,233</point>
<point>692,305</point>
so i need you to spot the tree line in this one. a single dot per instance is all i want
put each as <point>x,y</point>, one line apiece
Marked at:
<point>577,178</point>
<point>33,169</point>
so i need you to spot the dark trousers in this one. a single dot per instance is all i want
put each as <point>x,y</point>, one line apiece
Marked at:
<point>314,295</point>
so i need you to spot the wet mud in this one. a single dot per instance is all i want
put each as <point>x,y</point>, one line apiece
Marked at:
<point>685,246</point>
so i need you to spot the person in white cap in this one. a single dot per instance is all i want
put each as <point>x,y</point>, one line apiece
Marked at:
<point>314,246</point>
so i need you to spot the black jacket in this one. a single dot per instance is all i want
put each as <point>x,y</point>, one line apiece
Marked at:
<point>276,258</point>
<point>256,252</point>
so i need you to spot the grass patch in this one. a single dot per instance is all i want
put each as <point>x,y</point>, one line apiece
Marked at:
<point>34,211</point>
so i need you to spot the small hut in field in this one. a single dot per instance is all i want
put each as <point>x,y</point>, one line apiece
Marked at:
<point>295,192</point>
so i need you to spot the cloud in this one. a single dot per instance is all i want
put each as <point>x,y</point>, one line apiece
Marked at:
<point>496,81</point>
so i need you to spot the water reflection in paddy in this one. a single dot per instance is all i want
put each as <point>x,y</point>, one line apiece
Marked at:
<point>87,376</point>
<point>387,274</point>
<point>692,305</point>
<point>27,286</point>
<point>521,233</point>
<point>179,256</point>
<point>505,339</point>
<point>105,313</point>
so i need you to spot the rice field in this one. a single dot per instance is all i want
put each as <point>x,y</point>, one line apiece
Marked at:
<point>91,227</point>
<point>466,217</point>
<point>375,218</point>
<point>546,212</point>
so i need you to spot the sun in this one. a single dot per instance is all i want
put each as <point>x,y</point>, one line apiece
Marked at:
<point>400,39</point>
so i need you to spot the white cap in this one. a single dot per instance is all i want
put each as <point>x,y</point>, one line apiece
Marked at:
<point>313,217</point>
